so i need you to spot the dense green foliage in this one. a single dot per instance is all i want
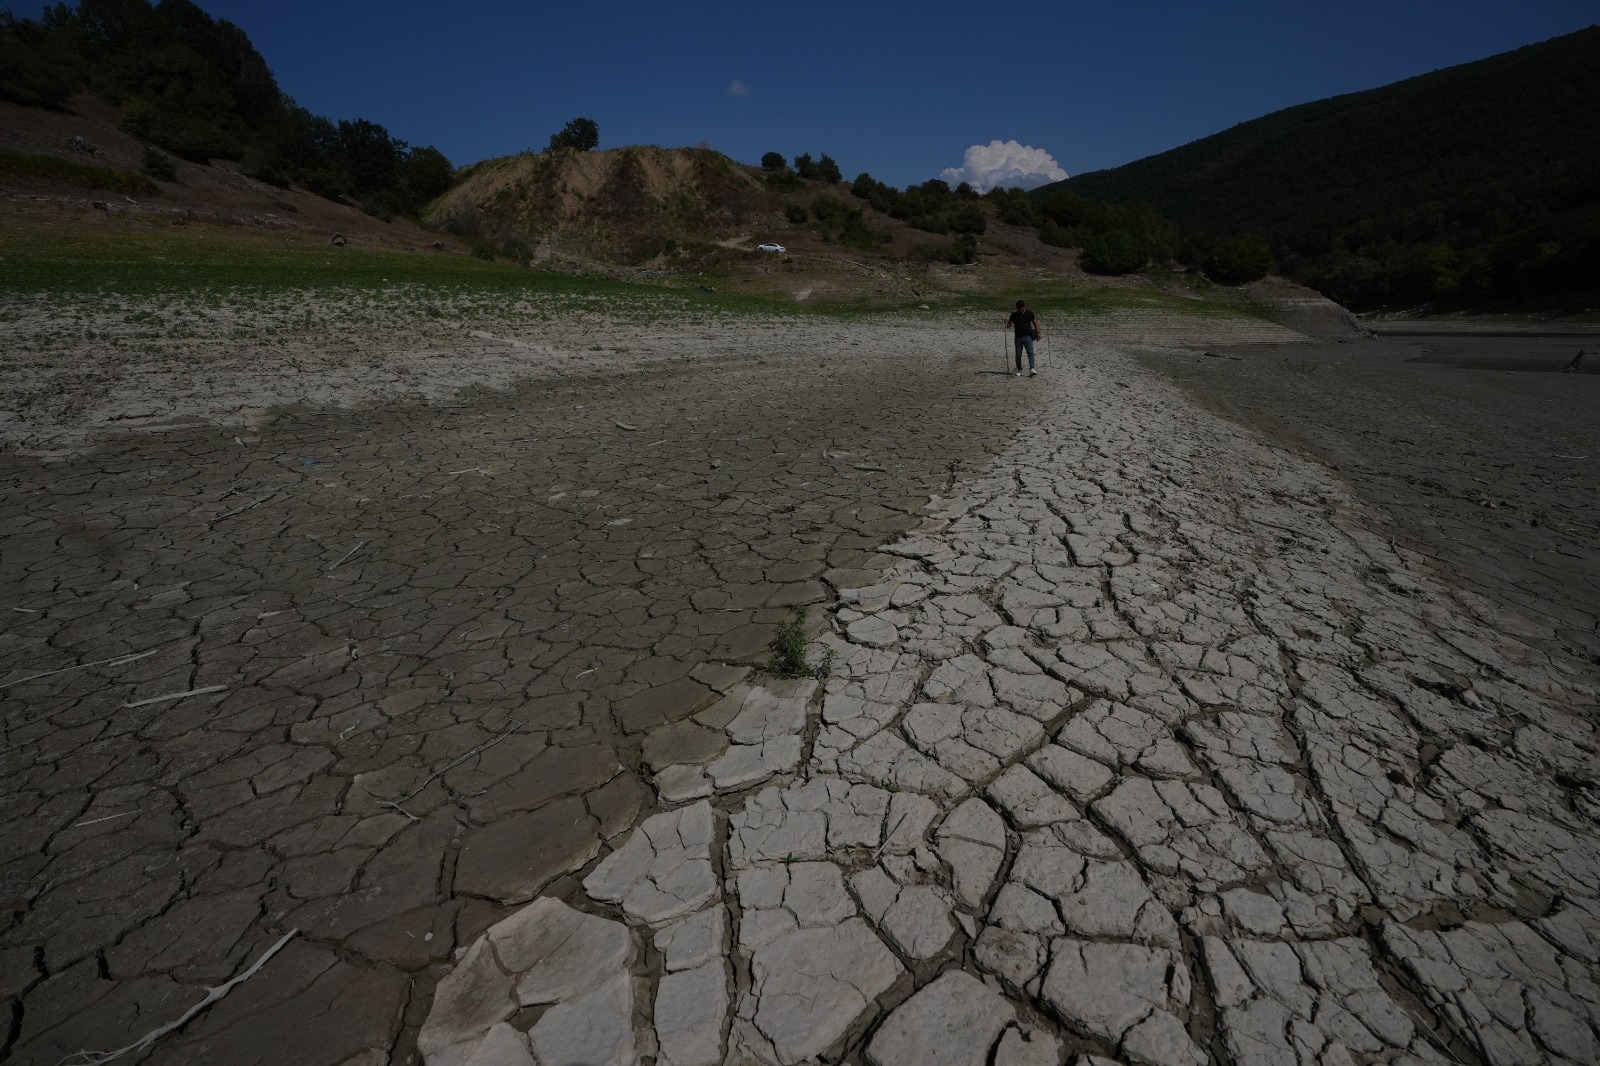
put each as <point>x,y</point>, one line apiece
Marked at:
<point>1475,185</point>
<point>932,207</point>
<point>47,168</point>
<point>1115,238</point>
<point>194,86</point>
<point>824,169</point>
<point>581,134</point>
<point>773,161</point>
<point>843,224</point>
<point>1239,260</point>
<point>963,249</point>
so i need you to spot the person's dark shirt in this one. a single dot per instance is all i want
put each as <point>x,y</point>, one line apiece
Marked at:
<point>1022,322</point>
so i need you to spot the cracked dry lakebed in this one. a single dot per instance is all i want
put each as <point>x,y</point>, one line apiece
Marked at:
<point>434,726</point>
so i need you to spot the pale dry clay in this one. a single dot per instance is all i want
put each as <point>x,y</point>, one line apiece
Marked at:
<point>1148,751</point>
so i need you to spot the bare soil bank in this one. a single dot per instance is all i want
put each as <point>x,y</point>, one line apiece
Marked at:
<point>1483,460</point>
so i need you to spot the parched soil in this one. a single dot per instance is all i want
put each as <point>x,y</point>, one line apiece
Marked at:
<point>390,619</point>
<point>1482,457</point>
<point>371,592</point>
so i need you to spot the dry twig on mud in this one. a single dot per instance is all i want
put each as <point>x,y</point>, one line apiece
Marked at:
<point>479,750</point>
<point>347,555</point>
<point>243,509</point>
<point>94,1058</point>
<point>177,695</point>
<point>115,660</point>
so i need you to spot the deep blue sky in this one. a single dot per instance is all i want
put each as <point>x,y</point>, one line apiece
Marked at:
<point>897,89</point>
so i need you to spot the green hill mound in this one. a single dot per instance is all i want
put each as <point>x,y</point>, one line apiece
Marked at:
<point>1476,184</point>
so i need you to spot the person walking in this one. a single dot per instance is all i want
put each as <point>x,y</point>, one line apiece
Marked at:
<point>1026,329</point>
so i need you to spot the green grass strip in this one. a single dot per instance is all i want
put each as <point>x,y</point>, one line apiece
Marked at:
<point>18,166</point>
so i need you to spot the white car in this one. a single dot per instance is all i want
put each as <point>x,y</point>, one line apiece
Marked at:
<point>780,249</point>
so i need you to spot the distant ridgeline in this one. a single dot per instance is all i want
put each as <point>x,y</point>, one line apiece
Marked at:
<point>196,87</point>
<point>1477,185</point>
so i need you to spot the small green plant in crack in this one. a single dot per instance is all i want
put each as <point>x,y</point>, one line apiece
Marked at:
<point>789,649</point>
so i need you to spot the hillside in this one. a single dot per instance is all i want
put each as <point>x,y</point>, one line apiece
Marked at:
<point>622,205</point>
<point>184,83</point>
<point>77,169</point>
<point>693,210</point>
<point>1476,183</point>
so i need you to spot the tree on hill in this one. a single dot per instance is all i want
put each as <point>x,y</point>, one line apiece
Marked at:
<point>582,134</point>
<point>824,169</point>
<point>772,161</point>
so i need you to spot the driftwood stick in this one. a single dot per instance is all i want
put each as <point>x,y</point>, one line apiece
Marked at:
<point>95,1058</point>
<point>479,750</point>
<point>347,554</point>
<point>177,695</point>
<point>242,510</point>
<point>107,818</point>
<point>392,805</point>
<point>115,660</point>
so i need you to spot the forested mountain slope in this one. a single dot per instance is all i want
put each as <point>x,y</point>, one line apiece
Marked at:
<point>1475,183</point>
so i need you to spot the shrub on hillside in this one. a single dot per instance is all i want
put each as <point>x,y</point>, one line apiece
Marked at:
<point>1017,210</point>
<point>796,213</point>
<point>855,233</point>
<point>261,166</point>
<point>1059,236</point>
<point>772,161</point>
<point>968,218</point>
<point>1197,249</point>
<point>1241,260</point>
<point>964,249</point>
<point>1113,252</point>
<point>881,197</point>
<point>159,165</point>
<point>1067,209</point>
<point>827,209</point>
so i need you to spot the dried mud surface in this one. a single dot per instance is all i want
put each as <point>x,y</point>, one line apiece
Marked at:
<point>454,674</point>
<point>1477,452</point>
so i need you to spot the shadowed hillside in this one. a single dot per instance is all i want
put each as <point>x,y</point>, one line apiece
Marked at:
<point>1476,183</point>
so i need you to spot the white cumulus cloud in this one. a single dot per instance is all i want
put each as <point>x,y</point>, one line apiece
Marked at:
<point>738,88</point>
<point>989,166</point>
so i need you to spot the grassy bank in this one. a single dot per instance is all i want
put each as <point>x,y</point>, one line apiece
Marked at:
<point>183,259</point>
<point>113,257</point>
